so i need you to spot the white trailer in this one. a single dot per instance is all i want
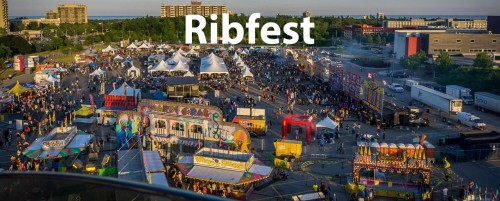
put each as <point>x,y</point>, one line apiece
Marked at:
<point>460,92</point>
<point>435,99</point>
<point>488,101</point>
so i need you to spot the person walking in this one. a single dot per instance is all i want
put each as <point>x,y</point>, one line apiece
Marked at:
<point>445,193</point>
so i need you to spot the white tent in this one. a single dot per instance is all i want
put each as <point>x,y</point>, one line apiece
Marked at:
<point>246,73</point>
<point>118,57</point>
<point>213,68</point>
<point>235,56</point>
<point>50,79</point>
<point>156,57</point>
<point>161,66</point>
<point>109,49</point>
<point>132,46</point>
<point>178,58</point>
<point>180,66</point>
<point>180,51</point>
<point>134,72</point>
<point>212,58</point>
<point>192,52</point>
<point>327,123</point>
<point>144,46</point>
<point>130,91</point>
<point>97,72</point>
<point>189,74</point>
<point>239,61</point>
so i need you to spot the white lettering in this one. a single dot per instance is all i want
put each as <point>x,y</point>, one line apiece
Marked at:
<point>252,25</point>
<point>288,31</point>
<point>265,32</point>
<point>226,27</point>
<point>198,30</point>
<point>213,30</point>
<point>307,25</point>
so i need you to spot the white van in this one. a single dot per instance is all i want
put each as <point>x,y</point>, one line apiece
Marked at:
<point>410,83</point>
<point>470,120</point>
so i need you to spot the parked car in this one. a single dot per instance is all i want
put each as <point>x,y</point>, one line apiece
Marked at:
<point>396,87</point>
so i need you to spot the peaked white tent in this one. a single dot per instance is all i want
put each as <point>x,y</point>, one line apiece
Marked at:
<point>178,58</point>
<point>144,46</point>
<point>239,61</point>
<point>212,58</point>
<point>132,46</point>
<point>180,51</point>
<point>327,123</point>
<point>97,72</point>
<point>126,90</point>
<point>189,74</point>
<point>180,66</point>
<point>118,58</point>
<point>235,57</point>
<point>160,67</point>
<point>193,52</point>
<point>134,72</point>
<point>213,68</point>
<point>51,79</point>
<point>109,49</point>
<point>246,73</point>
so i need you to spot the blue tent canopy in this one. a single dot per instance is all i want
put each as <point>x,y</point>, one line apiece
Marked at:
<point>159,95</point>
<point>92,64</point>
<point>127,60</point>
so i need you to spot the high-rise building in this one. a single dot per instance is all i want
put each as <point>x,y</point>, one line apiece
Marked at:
<point>4,15</point>
<point>72,13</point>
<point>380,15</point>
<point>51,14</point>
<point>195,8</point>
<point>306,14</point>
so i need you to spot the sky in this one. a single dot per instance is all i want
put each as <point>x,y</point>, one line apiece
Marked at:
<point>271,7</point>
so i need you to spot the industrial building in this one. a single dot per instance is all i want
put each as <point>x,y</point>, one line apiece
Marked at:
<point>409,42</point>
<point>351,32</point>
<point>437,23</point>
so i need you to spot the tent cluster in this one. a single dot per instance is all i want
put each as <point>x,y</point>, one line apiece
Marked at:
<point>245,70</point>
<point>191,52</point>
<point>213,64</point>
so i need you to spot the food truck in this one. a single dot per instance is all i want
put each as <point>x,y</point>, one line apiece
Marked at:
<point>254,120</point>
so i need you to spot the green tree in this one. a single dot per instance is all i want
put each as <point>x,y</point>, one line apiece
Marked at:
<point>421,57</point>
<point>443,63</point>
<point>17,44</point>
<point>483,60</point>
<point>369,38</point>
<point>5,52</point>
<point>377,39</point>
<point>411,63</point>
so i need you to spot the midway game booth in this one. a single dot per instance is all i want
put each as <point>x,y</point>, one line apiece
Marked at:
<point>60,148</point>
<point>305,121</point>
<point>180,128</point>
<point>125,97</point>
<point>238,170</point>
<point>372,161</point>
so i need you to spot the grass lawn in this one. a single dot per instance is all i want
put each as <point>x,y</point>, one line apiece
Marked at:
<point>4,73</point>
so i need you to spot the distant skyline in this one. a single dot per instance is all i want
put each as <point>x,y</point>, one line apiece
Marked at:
<point>270,7</point>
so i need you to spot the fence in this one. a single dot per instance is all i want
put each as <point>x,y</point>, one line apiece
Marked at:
<point>473,155</point>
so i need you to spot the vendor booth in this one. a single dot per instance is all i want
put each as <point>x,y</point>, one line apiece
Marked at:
<point>18,89</point>
<point>238,170</point>
<point>246,74</point>
<point>58,146</point>
<point>125,97</point>
<point>373,161</point>
<point>134,72</point>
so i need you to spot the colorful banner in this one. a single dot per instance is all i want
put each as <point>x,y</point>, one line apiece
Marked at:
<point>373,96</point>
